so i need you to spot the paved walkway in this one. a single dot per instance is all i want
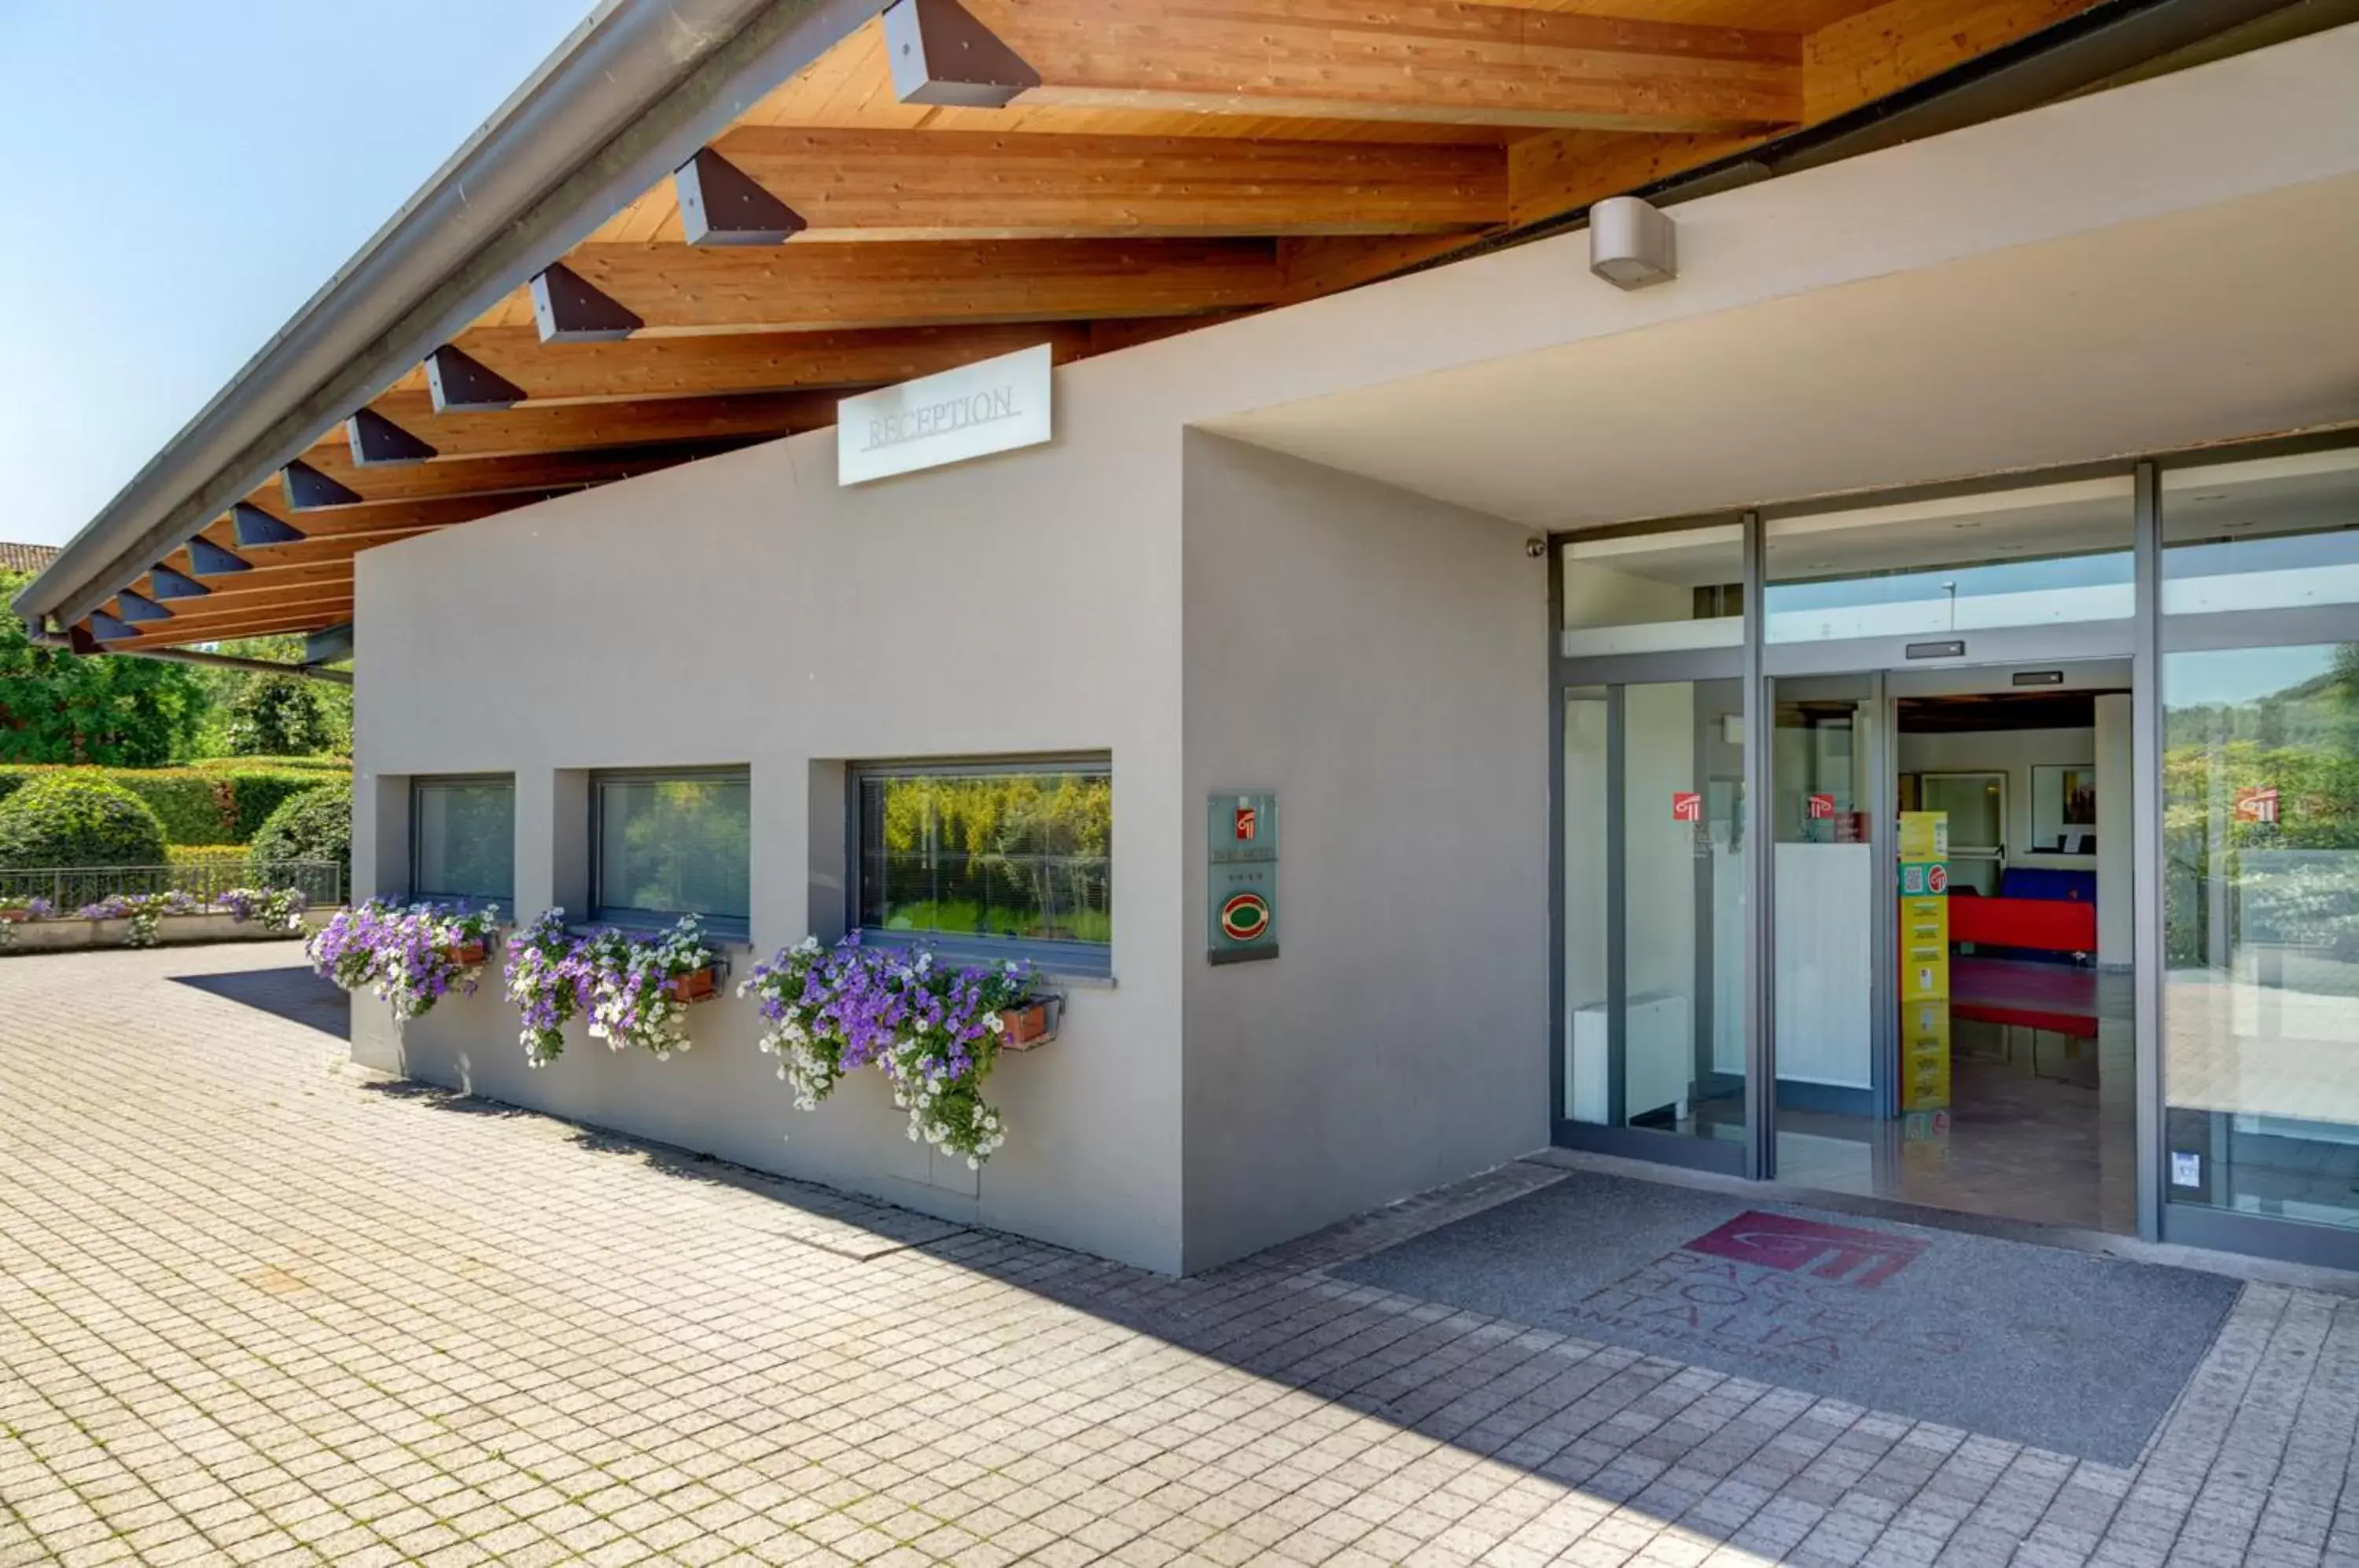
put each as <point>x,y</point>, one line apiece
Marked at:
<point>253,1312</point>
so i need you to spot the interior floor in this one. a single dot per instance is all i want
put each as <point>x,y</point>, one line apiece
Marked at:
<point>2040,1127</point>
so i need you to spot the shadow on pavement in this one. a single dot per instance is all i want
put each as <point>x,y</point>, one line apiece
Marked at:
<point>293,992</point>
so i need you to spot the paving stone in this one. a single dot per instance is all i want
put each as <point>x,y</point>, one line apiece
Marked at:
<point>255,1309</point>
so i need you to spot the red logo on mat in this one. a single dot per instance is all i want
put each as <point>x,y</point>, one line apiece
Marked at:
<point>1862,1258</point>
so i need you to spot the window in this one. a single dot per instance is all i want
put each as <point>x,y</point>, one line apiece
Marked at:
<point>993,858</point>
<point>2272,534</point>
<point>1643,592</point>
<point>669,845</point>
<point>462,841</point>
<point>2045,555</point>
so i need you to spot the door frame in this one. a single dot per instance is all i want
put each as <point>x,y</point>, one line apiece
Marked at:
<point>1896,666</point>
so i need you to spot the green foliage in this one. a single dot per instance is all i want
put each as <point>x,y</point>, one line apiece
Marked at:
<point>76,819</point>
<point>200,805</point>
<point>323,764</point>
<point>59,707</point>
<point>994,854</point>
<point>202,856</point>
<point>279,717</point>
<point>314,825</point>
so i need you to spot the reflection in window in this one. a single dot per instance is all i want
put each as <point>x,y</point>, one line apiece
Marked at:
<point>673,845</point>
<point>2274,533</point>
<point>462,841</point>
<point>1646,592</point>
<point>2049,555</point>
<point>2261,930</point>
<point>988,854</point>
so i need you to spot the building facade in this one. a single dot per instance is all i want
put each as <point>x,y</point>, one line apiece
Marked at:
<point>1873,710</point>
<point>1296,553</point>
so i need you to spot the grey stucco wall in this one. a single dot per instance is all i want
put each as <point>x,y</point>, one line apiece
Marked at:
<point>745,610</point>
<point>1380,659</point>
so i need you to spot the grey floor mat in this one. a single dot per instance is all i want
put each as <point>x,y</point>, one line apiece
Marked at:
<point>2064,1350</point>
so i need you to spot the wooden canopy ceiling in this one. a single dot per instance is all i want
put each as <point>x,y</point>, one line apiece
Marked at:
<point>959,177</point>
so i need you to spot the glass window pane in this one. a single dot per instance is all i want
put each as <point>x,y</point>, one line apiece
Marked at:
<point>2267,535</point>
<point>1662,765</point>
<point>1005,855</point>
<point>1823,914</point>
<point>1640,592</point>
<point>2050,555</point>
<point>674,846</point>
<point>2261,930</point>
<point>462,836</point>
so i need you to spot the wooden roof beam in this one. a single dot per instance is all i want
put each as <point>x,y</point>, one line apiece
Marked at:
<point>933,185</point>
<point>1878,50</point>
<point>648,368</point>
<point>1362,60</point>
<point>678,289</point>
<point>381,487</point>
<point>328,535</point>
<point>535,429</point>
<point>315,615</point>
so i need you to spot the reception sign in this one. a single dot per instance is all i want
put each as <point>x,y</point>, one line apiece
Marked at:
<point>1241,876</point>
<point>993,404</point>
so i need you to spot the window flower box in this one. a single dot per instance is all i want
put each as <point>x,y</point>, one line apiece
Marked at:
<point>467,955</point>
<point>1030,1023</point>
<point>697,986</point>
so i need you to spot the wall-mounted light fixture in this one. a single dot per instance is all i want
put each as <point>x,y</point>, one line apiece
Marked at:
<point>1631,244</point>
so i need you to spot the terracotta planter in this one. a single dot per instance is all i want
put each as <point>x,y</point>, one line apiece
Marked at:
<point>695,987</point>
<point>15,917</point>
<point>466,955</point>
<point>1028,1024</point>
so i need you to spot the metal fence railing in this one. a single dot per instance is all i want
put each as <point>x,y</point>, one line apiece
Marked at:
<point>67,889</point>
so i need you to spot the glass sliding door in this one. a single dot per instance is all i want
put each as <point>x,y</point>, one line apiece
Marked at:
<point>1826,970</point>
<point>2260,847</point>
<point>1653,1038</point>
<point>2261,931</point>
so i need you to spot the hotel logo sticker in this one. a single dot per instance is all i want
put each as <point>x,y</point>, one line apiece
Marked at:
<point>1776,1287</point>
<point>1687,805</point>
<point>1241,876</point>
<point>993,404</point>
<point>2257,805</point>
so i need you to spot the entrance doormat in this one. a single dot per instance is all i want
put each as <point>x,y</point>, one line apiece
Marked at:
<point>2061,1350</point>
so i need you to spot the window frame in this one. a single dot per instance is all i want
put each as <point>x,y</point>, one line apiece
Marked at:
<point>725,927</point>
<point>419,784</point>
<point>1079,959</point>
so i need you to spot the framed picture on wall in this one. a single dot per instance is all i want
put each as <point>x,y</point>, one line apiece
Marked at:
<point>2064,807</point>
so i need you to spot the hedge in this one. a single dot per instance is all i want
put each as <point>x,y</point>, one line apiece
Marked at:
<point>74,820</point>
<point>337,765</point>
<point>200,805</point>
<point>208,854</point>
<point>316,825</point>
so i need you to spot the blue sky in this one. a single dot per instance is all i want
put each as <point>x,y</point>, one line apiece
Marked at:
<point>184,175</point>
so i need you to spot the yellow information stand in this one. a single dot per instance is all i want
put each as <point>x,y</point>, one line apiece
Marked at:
<point>1924,961</point>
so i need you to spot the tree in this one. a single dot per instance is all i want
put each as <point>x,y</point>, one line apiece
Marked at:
<point>62,707</point>
<point>257,714</point>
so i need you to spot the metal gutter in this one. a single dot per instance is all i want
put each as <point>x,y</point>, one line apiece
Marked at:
<point>629,96</point>
<point>229,661</point>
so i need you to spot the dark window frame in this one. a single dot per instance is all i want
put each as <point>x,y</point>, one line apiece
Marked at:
<point>421,782</point>
<point>1083,959</point>
<point>623,918</point>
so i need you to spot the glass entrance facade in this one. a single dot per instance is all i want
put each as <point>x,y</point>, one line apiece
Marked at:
<point>1738,760</point>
